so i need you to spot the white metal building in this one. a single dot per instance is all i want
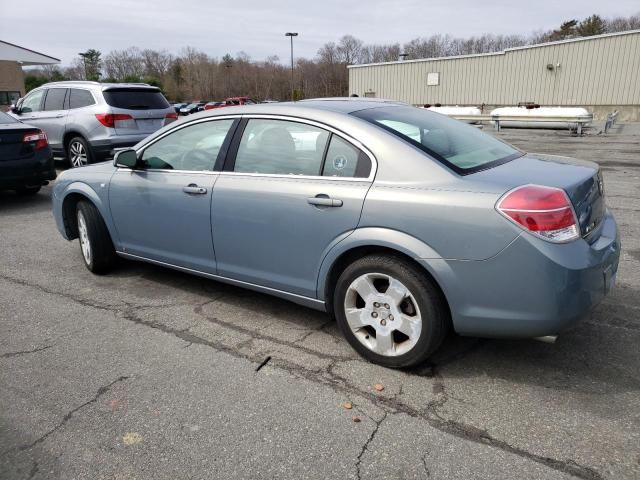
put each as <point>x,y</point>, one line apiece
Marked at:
<point>601,73</point>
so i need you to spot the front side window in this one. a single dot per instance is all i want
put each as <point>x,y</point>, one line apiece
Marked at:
<point>194,148</point>
<point>31,102</point>
<point>79,98</point>
<point>281,147</point>
<point>55,99</point>
<point>462,147</point>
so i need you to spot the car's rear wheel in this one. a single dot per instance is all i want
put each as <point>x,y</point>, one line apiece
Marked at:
<point>79,152</point>
<point>389,311</point>
<point>95,242</point>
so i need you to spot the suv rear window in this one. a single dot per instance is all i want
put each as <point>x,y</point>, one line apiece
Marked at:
<point>136,98</point>
<point>461,147</point>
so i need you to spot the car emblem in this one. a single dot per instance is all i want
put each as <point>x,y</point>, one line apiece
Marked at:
<point>339,162</point>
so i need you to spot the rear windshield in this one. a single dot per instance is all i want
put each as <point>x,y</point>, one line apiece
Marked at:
<point>463,148</point>
<point>135,98</point>
<point>4,118</point>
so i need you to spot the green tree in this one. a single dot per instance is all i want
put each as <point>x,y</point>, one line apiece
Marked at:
<point>593,25</point>
<point>92,64</point>
<point>34,81</point>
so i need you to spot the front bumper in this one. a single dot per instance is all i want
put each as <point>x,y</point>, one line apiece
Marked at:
<point>27,172</point>
<point>533,287</point>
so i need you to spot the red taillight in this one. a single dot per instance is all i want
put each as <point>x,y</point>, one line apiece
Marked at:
<point>171,116</point>
<point>39,139</point>
<point>110,119</point>
<point>543,211</point>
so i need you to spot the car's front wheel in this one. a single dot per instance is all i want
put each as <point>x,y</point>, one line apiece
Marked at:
<point>390,311</point>
<point>95,242</point>
<point>79,152</point>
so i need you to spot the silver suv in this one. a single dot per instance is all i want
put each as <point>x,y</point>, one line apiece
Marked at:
<point>86,121</point>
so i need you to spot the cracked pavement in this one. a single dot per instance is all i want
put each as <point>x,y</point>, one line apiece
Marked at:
<point>151,373</point>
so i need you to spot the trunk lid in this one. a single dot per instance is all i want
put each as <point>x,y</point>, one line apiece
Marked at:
<point>11,146</point>
<point>581,180</point>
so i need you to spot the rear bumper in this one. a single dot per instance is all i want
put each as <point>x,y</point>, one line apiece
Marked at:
<point>103,149</point>
<point>533,287</point>
<point>28,172</point>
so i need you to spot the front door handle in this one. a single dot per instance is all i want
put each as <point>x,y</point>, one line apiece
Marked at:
<point>193,189</point>
<point>322,200</point>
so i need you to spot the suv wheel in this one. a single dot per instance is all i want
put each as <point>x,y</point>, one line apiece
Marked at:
<point>95,242</point>
<point>390,312</point>
<point>78,152</point>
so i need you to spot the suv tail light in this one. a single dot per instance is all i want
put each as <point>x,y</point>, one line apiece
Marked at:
<point>39,139</point>
<point>544,211</point>
<point>170,117</point>
<point>109,120</point>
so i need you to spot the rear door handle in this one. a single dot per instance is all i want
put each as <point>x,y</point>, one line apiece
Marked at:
<point>193,189</point>
<point>324,201</point>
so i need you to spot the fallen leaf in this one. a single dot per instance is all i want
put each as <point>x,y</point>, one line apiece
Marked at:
<point>131,438</point>
<point>348,405</point>
<point>379,387</point>
<point>356,419</point>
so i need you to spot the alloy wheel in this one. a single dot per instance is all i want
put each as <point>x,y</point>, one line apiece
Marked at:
<point>78,154</point>
<point>83,235</point>
<point>383,314</point>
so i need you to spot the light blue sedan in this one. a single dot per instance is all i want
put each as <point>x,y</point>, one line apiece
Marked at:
<point>400,222</point>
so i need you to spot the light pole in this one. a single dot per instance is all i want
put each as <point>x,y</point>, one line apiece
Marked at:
<point>291,35</point>
<point>84,62</point>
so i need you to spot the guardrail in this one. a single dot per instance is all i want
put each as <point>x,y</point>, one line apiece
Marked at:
<point>578,120</point>
<point>611,121</point>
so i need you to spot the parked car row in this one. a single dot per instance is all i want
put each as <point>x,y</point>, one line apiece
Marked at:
<point>199,106</point>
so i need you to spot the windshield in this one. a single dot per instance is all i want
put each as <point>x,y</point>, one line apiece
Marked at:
<point>136,98</point>
<point>4,118</point>
<point>461,147</point>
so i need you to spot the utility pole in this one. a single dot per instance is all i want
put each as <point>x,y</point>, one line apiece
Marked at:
<point>291,35</point>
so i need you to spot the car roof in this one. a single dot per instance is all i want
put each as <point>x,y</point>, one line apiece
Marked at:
<point>99,85</point>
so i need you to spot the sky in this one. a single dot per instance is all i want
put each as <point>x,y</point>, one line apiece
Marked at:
<point>62,28</point>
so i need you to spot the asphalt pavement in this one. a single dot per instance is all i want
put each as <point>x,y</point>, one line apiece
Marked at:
<point>148,373</point>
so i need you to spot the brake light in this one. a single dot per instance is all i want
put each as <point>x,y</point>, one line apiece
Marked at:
<point>109,119</point>
<point>544,211</point>
<point>38,138</point>
<point>170,117</point>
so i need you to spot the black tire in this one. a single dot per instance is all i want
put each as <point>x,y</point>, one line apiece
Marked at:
<point>102,256</point>
<point>429,299</point>
<point>78,143</point>
<point>28,190</point>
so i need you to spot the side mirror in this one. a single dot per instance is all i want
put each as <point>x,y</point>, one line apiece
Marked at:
<point>126,158</point>
<point>14,109</point>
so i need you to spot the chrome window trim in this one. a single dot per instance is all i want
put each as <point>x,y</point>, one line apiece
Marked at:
<point>340,133</point>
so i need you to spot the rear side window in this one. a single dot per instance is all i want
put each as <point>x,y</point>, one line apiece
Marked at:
<point>281,147</point>
<point>461,147</point>
<point>55,99</point>
<point>345,160</point>
<point>136,98</point>
<point>79,98</point>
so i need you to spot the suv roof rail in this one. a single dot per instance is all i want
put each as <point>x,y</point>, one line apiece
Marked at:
<point>74,81</point>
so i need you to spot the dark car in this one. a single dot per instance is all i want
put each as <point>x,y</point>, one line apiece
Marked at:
<point>26,162</point>
<point>178,106</point>
<point>194,107</point>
